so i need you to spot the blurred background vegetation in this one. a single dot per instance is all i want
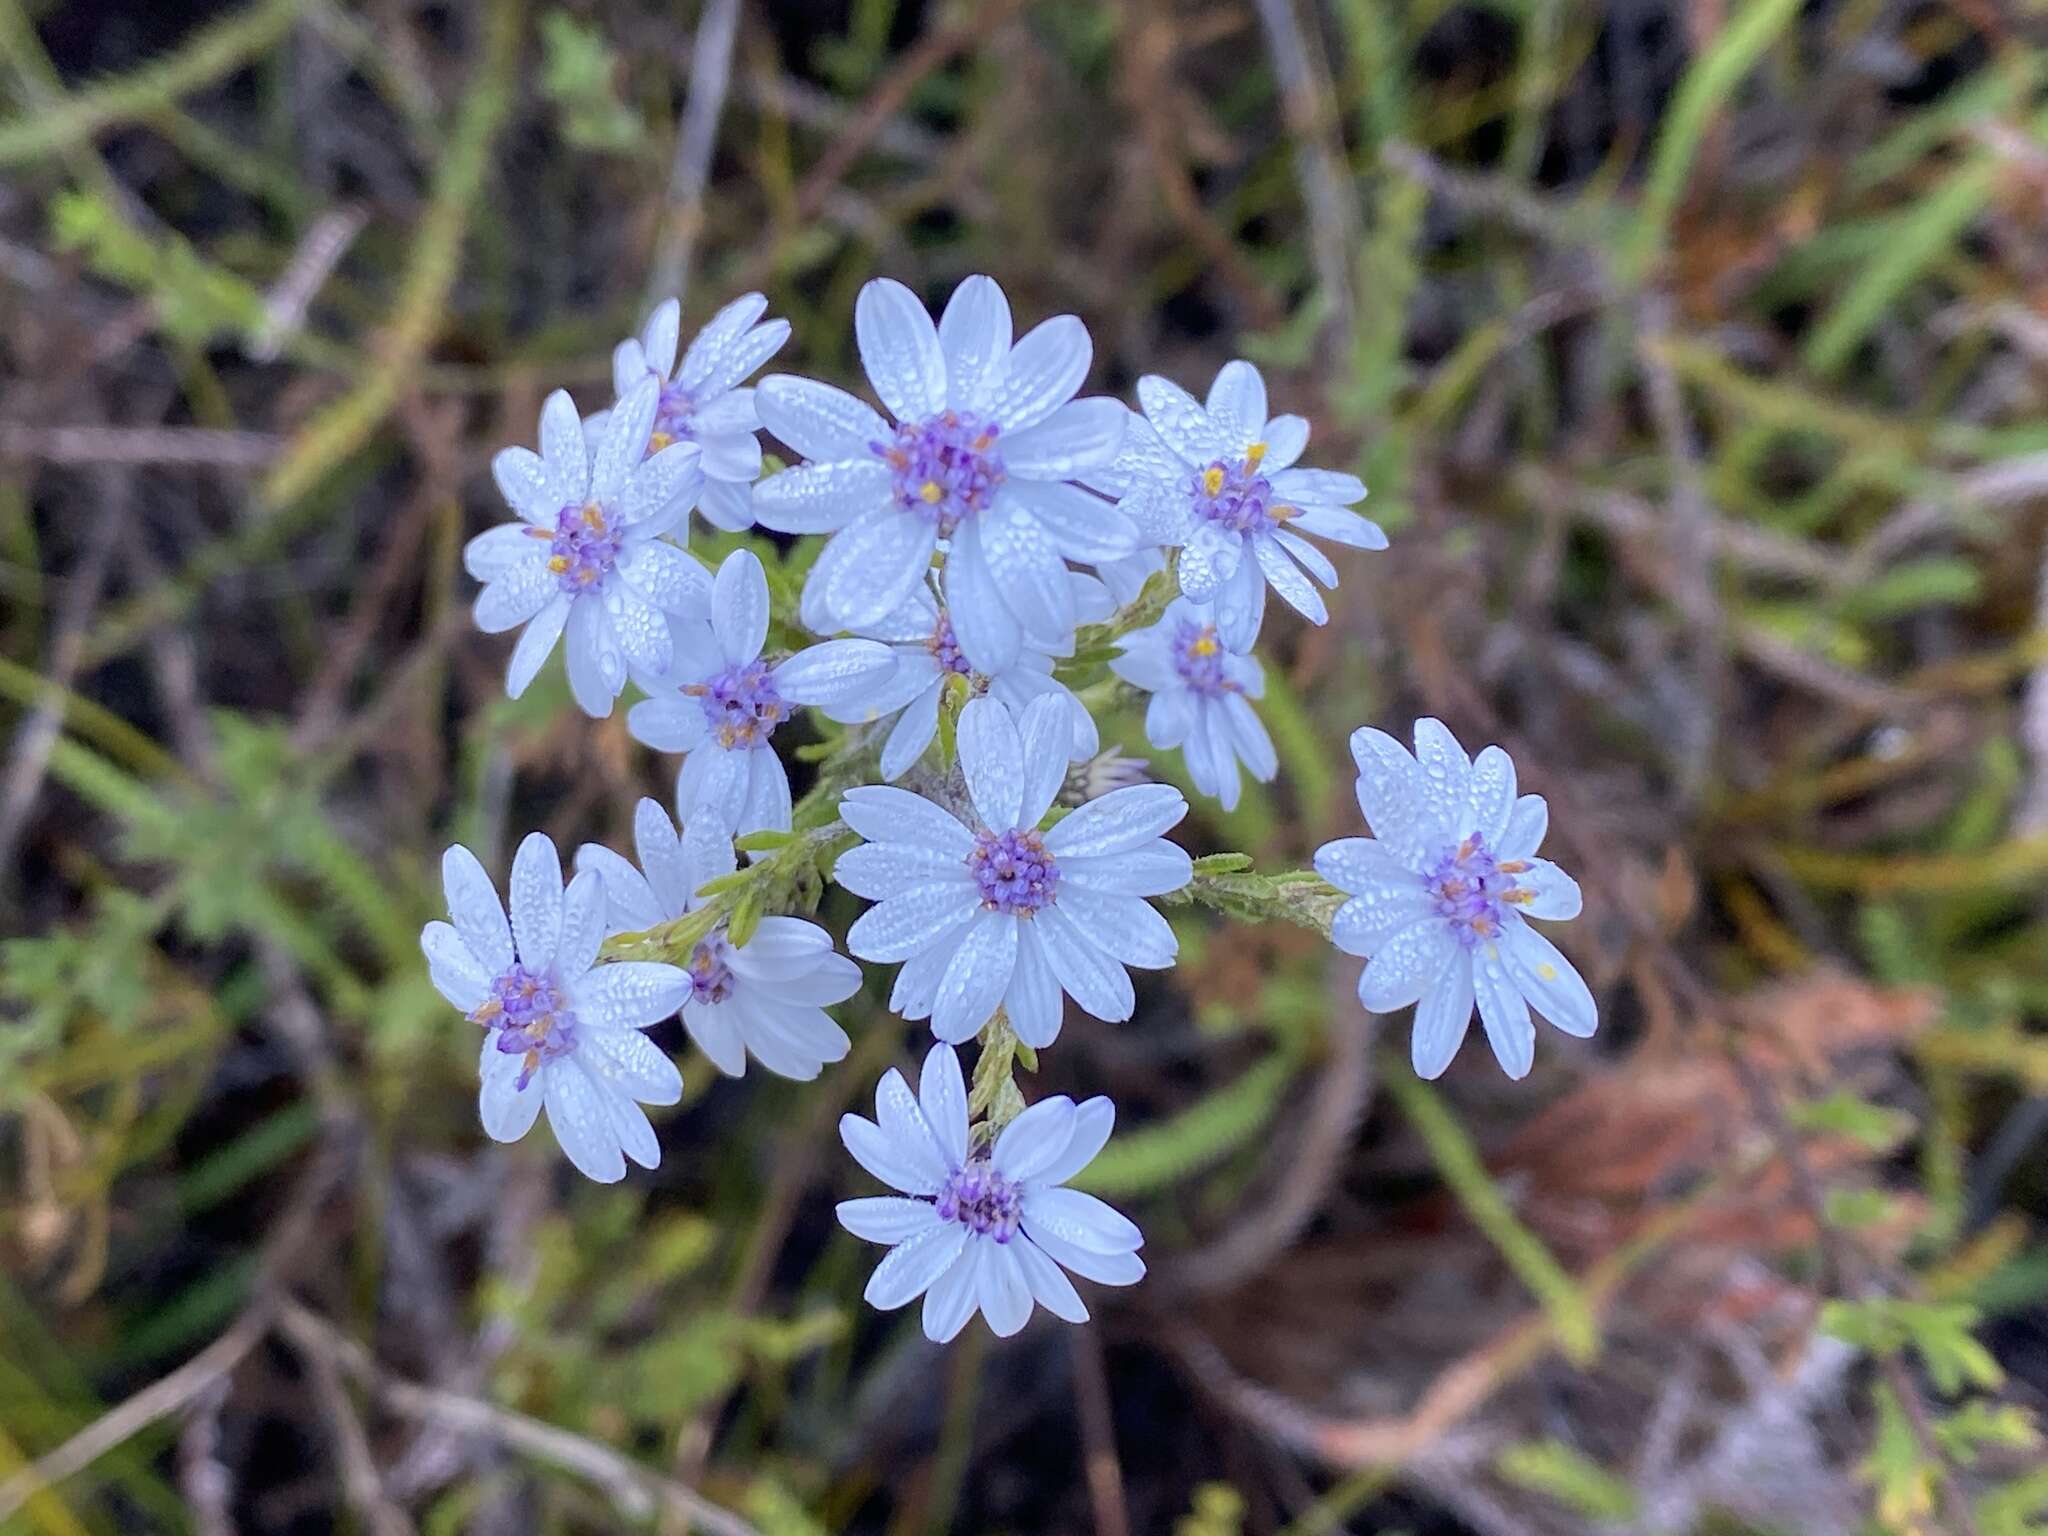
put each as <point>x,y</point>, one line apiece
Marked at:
<point>1696,356</point>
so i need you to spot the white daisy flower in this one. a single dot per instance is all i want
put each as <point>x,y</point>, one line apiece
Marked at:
<point>927,649</point>
<point>1201,698</point>
<point>983,460</point>
<point>701,401</point>
<point>1441,895</point>
<point>994,913</point>
<point>589,557</point>
<point>990,1230</point>
<point>1217,480</point>
<point>720,702</point>
<point>764,996</point>
<point>559,1029</point>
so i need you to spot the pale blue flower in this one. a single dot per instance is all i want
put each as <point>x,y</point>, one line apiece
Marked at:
<point>701,400</point>
<point>1441,897</point>
<point>589,557</point>
<point>1217,480</point>
<point>928,654</point>
<point>720,702</point>
<point>982,461</point>
<point>560,1030</point>
<point>1201,699</point>
<point>989,1230</point>
<point>766,997</point>
<point>992,912</point>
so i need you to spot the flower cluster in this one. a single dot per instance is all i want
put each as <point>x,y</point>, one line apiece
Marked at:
<point>974,525</point>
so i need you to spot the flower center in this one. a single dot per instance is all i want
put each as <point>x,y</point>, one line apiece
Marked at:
<point>675,419</point>
<point>585,547</point>
<point>946,467</point>
<point>1015,873</point>
<point>945,649</point>
<point>742,705</point>
<point>530,1016</point>
<point>1472,890</point>
<point>1198,657</point>
<point>982,1200</point>
<point>710,976</point>
<point>1237,496</point>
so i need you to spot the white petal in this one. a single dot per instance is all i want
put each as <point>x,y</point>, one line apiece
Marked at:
<point>1490,796</point>
<point>872,564</point>
<point>1154,869</point>
<point>583,914</point>
<point>1049,1284</point>
<point>1441,1019</point>
<point>1552,983</point>
<point>629,994</point>
<point>820,422</point>
<point>506,1109</point>
<point>641,631</point>
<point>715,1027</point>
<point>633,1064</point>
<point>942,1099</point>
<point>1005,1298</point>
<point>976,977</point>
<point>1034,1001</point>
<point>1325,486</point>
<point>908,1270</point>
<point>1080,436</point>
<point>536,643</point>
<point>1122,927</point>
<point>1361,864</point>
<point>883,814</point>
<point>1091,978</point>
<point>658,337</point>
<point>901,926</point>
<point>918,982</point>
<point>1035,1140</point>
<point>1093,1120</point>
<point>582,1123</point>
<point>1505,1014</point>
<point>1340,526</point>
<point>912,1169</point>
<point>1445,777</point>
<point>956,1293</point>
<point>668,724</point>
<point>887,1218</point>
<point>629,1122</point>
<point>1045,733</point>
<point>1407,965</point>
<point>562,446</point>
<point>1081,525</point>
<point>1102,1268</point>
<point>987,631</point>
<point>879,871</point>
<point>739,607</point>
<point>899,348</point>
<point>1295,589</point>
<point>821,498</point>
<point>1211,557</point>
<point>835,672</point>
<point>1044,372</point>
<point>624,442</point>
<point>912,733</point>
<point>597,666</point>
<point>902,1119</point>
<point>1556,895</point>
<point>992,759</point>
<point>1119,821</point>
<point>475,910</point>
<point>1241,606</point>
<point>1080,1220</point>
<point>1390,795</point>
<point>663,486</point>
<point>1182,423</point>
<point>1367,921</point>
<point>536,891</point>
<point>767,805</point>
<point>454,970</point>
<point>1237,404</point>
<point>528,485</point>
<point>1286,437</point>
<point>514,597</point>
<point>974,335</point>
<point>1028,575</point>
<point>501,550</point>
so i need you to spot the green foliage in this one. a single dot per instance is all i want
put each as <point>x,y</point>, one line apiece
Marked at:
<point>1560,1473</point>
<point>1218,1510</point>
<point>579,77</point>
<point>1941,1333</point>
<point>196,301</point>
<point>1167,1152</point>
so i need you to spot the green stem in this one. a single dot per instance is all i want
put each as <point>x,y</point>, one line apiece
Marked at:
<point>792,875</point>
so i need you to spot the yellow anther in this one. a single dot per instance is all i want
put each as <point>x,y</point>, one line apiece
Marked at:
<point>1513,866</point>
<point>593,516</point>
<point>1521,896</point>
<point>1212,480</point>
<point>1547,971</point>
<point>1205,646</point>
<point>1253,454</point>
<point>540,533</point>
<point>932,493</point>
<point>1280,514</point>
<point>488,1009</point>
<point>559,564</point>
<point>656,441</point>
